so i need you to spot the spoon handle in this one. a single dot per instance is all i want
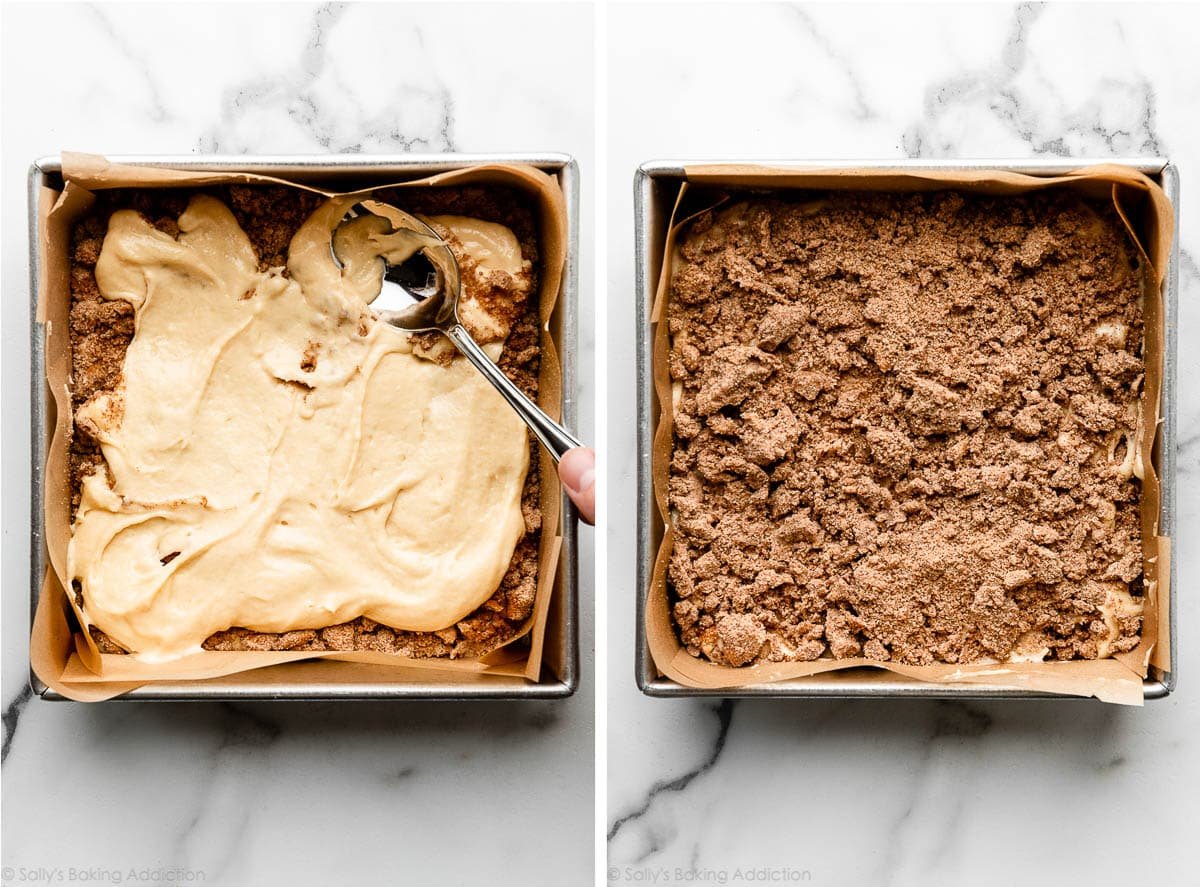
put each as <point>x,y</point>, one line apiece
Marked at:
<point>553,436</point>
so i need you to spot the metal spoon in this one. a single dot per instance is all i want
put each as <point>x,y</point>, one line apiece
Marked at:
<point>421,293</point>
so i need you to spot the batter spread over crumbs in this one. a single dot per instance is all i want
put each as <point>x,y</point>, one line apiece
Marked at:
<point>102,329</point>
<point>905,430</point>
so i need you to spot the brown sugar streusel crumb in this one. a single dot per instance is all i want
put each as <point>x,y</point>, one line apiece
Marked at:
<point>903,428</point>
<point>100,333</point>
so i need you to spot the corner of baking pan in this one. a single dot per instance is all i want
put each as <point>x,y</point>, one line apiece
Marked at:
<point>44,165</point>
<point>656,169</point>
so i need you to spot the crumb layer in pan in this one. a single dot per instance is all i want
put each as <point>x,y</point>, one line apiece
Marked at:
<point>101,331</point>
<point>904,430</point>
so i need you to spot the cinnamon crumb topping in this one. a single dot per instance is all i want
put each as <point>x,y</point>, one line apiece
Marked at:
<point>902,430</point>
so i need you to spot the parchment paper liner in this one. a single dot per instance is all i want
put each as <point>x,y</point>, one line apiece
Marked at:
<point>1146,211</point>
<point>68,660</point>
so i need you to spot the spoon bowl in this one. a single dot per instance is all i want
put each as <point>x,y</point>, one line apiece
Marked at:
<point>420,291</point>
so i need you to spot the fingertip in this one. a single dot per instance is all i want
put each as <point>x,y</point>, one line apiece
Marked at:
<point>577,469</point>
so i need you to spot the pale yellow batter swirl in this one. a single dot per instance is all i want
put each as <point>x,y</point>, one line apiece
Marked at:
<point>279,458</point>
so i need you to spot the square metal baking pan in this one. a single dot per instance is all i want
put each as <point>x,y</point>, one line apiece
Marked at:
<point>560,667</point>
<point>656,185</point>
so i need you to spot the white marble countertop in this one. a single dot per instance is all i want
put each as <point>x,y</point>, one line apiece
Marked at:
<point>293,794</point>
<point>902,792</point>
